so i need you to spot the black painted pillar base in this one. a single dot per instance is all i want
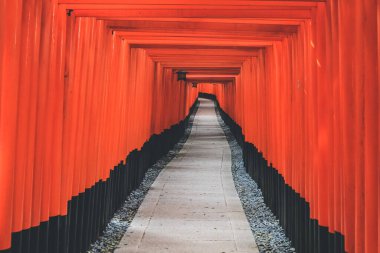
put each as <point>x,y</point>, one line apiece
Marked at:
<point>293,212</point>
<point>90,211</point>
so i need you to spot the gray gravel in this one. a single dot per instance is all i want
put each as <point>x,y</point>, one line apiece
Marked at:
<point>269,235</point>
<point>119,224</point>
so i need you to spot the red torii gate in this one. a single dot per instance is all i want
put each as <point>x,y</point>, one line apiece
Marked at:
<point>84,83</point>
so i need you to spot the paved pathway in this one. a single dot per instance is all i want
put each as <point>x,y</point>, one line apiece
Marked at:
<point>193,205</point>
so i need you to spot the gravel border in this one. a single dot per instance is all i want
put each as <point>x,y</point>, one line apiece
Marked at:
<point>269,235</point>
<point>119,224</point>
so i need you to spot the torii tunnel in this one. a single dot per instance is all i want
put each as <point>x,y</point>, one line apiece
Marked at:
<point>90,98</point>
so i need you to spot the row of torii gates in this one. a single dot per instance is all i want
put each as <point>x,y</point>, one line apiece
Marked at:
<point>89,89</point>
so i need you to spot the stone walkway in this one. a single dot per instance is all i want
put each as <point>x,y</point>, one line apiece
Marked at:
<point>193,205</point>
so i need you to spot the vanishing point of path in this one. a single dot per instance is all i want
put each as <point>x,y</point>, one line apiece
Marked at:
<point>193,205</point>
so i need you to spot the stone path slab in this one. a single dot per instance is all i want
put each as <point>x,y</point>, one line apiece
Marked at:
<point>193,205</point>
